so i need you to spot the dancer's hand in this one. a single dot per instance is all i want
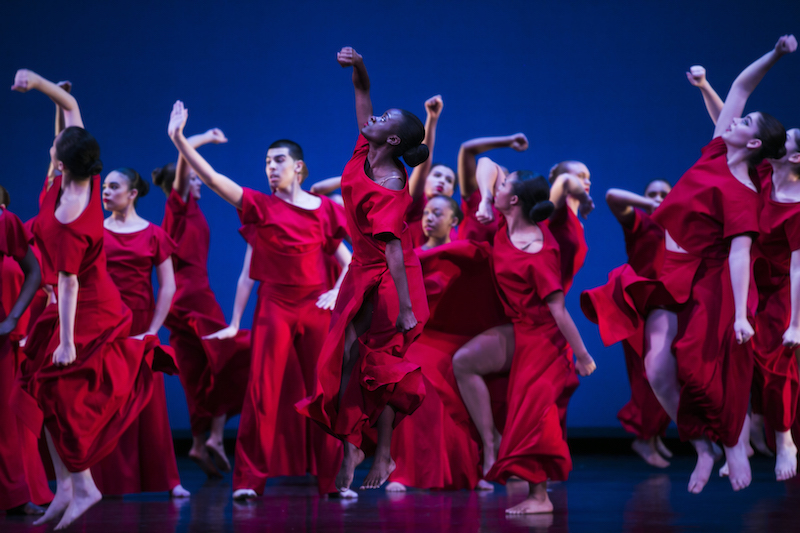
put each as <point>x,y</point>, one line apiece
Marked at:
<point>215,136</point>
<point>586,206</point>
<point>348,57</point>
<point>697,76</point>
<point>786,45</point>
<point>743,330</point>
<point>25,80</point>
<point>327,300</point>
<point>484,213</point>
<point>434,106</point>
<point>225,333</point>
<point>7,326</point>
<point>406,321</point>
<point>177,120</point>
<point>65,354</point>
<point>791,337</point>
<point>584,364</point>
<point>519,142</point>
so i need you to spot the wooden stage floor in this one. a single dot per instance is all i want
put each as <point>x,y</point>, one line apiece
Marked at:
<point>604,493</point>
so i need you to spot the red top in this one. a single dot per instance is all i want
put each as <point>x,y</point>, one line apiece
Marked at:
<point>779,236</point>
<point>708,206</point>
<point>131,259</point>
<point>185,223</point>
<point>525,280</point>
<point>13,247</point>
<point>290,243</point>
<point>568,232</point>
<point>644,242</point>
<point>470,228</point>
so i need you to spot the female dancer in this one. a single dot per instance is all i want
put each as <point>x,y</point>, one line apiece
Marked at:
<point>79,351</point>
<point>364,380</point>
<point>21,486</point>
<point>644,241</point>
<point>528,274</point>
<point>144,459</point>
<point>290,233</point>
<point>214,372</point>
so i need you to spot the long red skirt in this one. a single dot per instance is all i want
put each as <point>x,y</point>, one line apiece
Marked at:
<point>274,439</point>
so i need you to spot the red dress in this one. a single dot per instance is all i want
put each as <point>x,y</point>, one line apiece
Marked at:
<point>22,475</point>
<point>88,404</point>
<point>470,228</point>
<point>437,446</point>
<point>213,373</point>
<point>775,378</point>
<point>534,445</point>
<point>382,374</point>
<point>290,250</point>
<point>144,459</point>
<point>414,220</point>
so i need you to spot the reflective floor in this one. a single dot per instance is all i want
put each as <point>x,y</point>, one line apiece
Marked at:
<point>604,493</point>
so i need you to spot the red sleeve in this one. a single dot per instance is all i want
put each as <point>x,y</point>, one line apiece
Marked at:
<point>249,232</point>
<point>255,207</point>
<point>740,207</point>
<point>14,237</point>
<point>176,204</point>
<point>336,226</point>
<point>362,145</point>
<point>764,174</point>
<point>792,229</point>
<point>386,213</point>
<point>546,273</point>
<point>163,245</point>
<point>68,248</point>
<point>714,149</point>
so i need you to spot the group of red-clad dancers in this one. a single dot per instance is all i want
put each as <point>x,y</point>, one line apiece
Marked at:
<point>448,318</point>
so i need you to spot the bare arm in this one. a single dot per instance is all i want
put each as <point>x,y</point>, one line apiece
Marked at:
<point>791,337</point>
<point>181,183</point>
<point>622,202</point>
<point>568,185</point>
<point>328,299</point>
<point>59,127</point>
<point>583,361</point>
<point>68,287</point>
<point>394,259</point>
<point>739,263</point>
<point>467,166</point>
<point>327,186</point>
<point>244,286</point>
<point>486,175</point>
<point>348,57</point>
<point>416,182</point>
<point>697,77</point>
<point>26,80</point>
<point>33,278</point>
<point>166,290</point>
<point>744,84</point>
<point>225,187</point>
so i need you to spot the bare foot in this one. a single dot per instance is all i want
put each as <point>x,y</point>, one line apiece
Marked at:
<point>244,494</point>
<point>82,500</point>
<point>26,509</point>
<point>217,450</point>
<point>484,485</point>
<point>757,437</point>
<point>179,492</point>
<point>352,458</point>
<point>662,448</point>
<point>647,450</point>
<point>203,460</point>
<point>59,504</point>
<point>705,464</point>
<point>382,468</point>
<point>724,470</point>
<point>786,461</point>
<point>394,486</point>
<point>537,502</point>
<point>490,451</point>
<point>738,466</point>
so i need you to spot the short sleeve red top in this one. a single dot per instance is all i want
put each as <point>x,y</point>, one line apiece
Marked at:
<point>373,210</point>
<point>290,243</point>
<point>470,228</point>
<point>526,280</point>
<point>568,232</point>
<point>708,206</point>
<point>185,223</point>
<point>131,259</point>
<point>779,236</point>
<point>644,242</point>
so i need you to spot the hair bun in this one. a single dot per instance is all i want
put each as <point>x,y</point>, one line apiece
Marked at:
<point>416,155</point>
<point>541,211</point>
<point>95,168</point>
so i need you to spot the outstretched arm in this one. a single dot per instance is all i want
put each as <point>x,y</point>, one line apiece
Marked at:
<point>33,278</point>
<point>225,187</point>
<point>244,286</point>
<point>26,80</point>
<point>567,185</point>
<point>584,363</point>
<point>348,57</point>
<point>744,84</point>
<point>622,202</point>
<point>697,77</point>
<point>326,186</point>
<point>416,182</point>
<point>473,148</point>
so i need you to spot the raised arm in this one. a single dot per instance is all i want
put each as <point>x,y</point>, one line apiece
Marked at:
<point>244,286</point>
<point>622,202</point>
<point>486,175</point>
<point>567,185</point>
<point>59,127</point>
<point>584,363</point>
<point>471,149</point>
<point>416,182</point>
<point>697,77</point>
<point>326,186</point>
<point>225,187</point>
<point>348,57</point>
<point>33,278</point>
<point>744,84</point>
<point>181,183</point>
<point>26,80</point>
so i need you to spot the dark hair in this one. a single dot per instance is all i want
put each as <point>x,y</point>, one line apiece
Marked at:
<point>437,164</point>
<point>79,152</point>
<point>533,192</point>
<point>411,133</point>
<point>561,168</point>
<point>135,181</point>
<point>295,151</point>
<point>164,177</point>
<point>5,198</point>
<point>452,204</point>
<point>662,180</point>
<point>773,139</point>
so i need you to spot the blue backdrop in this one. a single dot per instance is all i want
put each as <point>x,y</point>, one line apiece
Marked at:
<point>602,82</point>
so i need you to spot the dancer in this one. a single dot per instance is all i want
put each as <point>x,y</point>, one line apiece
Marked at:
<point>364,383</point>
<point>79,352</point>
<point>290,233</point>
<point>644,242</point>
<point>144,459</point>
<point>528,274</point>
<point>214,372</point>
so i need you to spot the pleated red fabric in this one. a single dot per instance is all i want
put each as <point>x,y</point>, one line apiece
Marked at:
<point>383,375</point>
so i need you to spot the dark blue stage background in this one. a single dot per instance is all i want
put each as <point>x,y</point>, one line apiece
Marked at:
<point>602,82</point>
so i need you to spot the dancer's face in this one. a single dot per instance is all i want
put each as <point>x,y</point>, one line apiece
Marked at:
<point>742,131</point>
<point>441,180</point>
<point>281,169</point>
<point>194,185</point>
<point>117,192</point>
<point>438,218</point>
<point>383,128</point>
<point>657,191</point>
<point>581,171</point>
<point>504,196</point>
